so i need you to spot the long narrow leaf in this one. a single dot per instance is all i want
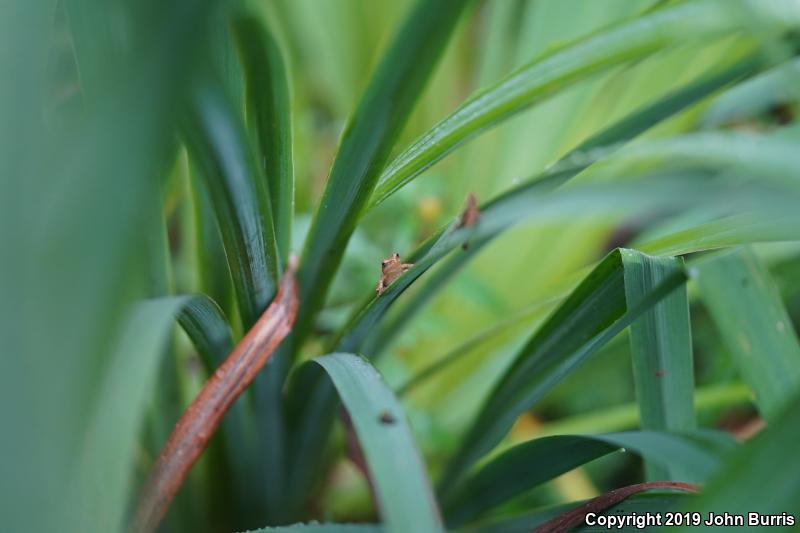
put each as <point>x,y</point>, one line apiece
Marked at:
<point>549,74</point>
<point>367,141</point>
<point>269,109</point>
<point>405,498</point>
<point>208,329</point>
<point>661,351</point>
<point>593,314</point>
<point>527,465</point>
<point>217,141</point>
<point>747,309</point>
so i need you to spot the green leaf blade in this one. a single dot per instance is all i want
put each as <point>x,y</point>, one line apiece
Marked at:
<point>404,494</point>
<point>527,465</point>
<point>593,314</point>
<point>219,145</point>
<point>269,109</point>
<point>661,352</point>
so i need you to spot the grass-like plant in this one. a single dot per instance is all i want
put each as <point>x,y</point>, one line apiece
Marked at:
<point>166,164</point>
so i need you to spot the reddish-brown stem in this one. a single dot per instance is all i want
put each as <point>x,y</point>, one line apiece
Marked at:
<point>575,517</point>
<point>203,416</point>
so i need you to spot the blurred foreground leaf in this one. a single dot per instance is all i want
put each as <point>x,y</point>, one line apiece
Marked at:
<point>745,304</point>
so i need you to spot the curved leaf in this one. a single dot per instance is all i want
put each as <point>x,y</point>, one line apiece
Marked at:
<point>367,141</point>
<point>208,329</point>
<point>595,312</point>
<point>217,141</point>
<point>550,73</point>
<point>405,498</point>
<point>269,111</point>
<point>695,455</point>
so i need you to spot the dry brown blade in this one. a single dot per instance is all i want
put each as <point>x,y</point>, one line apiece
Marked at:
<point>576,516</point>
<point>202,418</point>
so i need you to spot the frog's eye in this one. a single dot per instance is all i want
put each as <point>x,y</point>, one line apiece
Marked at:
<point>396,256</point>
<point>384,262</point>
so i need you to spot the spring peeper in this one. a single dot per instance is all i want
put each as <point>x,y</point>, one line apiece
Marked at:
<point>391,269</point>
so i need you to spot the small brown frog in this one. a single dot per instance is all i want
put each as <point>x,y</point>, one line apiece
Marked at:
<point>391,269</point>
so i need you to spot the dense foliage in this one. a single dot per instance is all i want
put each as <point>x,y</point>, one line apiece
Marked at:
<point>594,211</point>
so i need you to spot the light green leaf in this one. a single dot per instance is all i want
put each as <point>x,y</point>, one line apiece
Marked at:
<point>574,162</point>
<point>775,86</point>
<point>552,72</point>
<point>746,306</point>
<point>405,498</point>
<point>238,191</point>
<point>103,475</point>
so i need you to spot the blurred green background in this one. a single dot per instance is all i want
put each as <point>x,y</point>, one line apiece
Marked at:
<point>99,211</point>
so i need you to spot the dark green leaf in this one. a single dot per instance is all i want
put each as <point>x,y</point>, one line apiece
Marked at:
<point>595,312</point>
<point>208,329</point>
<point>269,112</point>
<point>747,309</point>
<point>219,145</point>
<point>661,351</point>
<point>525,466</point>
<point>370,135</point>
